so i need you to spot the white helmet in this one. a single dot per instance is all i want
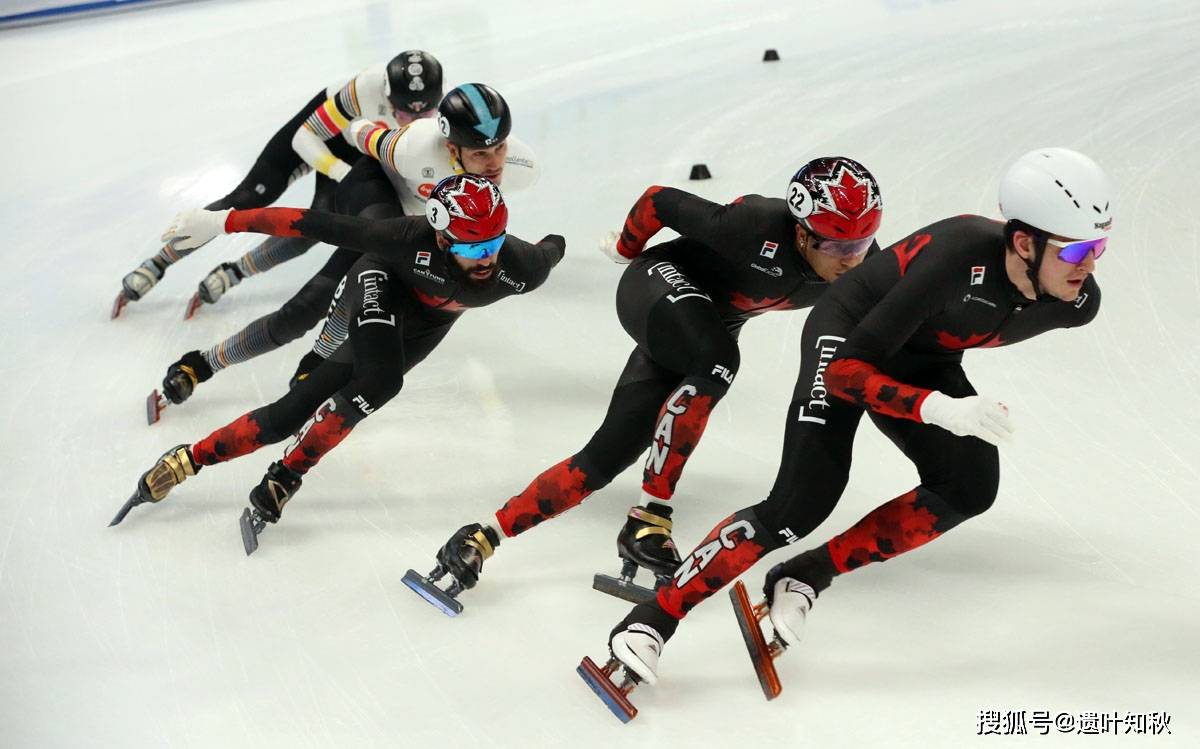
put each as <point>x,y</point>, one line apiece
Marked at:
<point>1058,191</point>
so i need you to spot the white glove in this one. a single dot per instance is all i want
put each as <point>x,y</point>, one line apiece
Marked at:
<point>194,228</point>
<point>608,245</point>
<point>974,416</point>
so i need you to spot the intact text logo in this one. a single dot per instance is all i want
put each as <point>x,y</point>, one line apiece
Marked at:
<point>818,394</point>
<point>372,311</point>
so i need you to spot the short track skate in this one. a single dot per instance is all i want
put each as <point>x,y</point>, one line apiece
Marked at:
<point>614,695</point>
<point>762,654</point>
<point>624,587</point>
<point>252,523</point>
<point>155,404</point>
<point>131,503</point>
<point>194,305</point>
<point>118,305</point>
<point>445,600</point>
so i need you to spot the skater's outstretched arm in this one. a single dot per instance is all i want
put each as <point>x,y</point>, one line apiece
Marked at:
<point>329,120</point>
<point>388,238</point>
<point>533,262</point>
<point>688,214</point>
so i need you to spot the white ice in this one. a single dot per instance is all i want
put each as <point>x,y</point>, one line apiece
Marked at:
<point>1076,593</point>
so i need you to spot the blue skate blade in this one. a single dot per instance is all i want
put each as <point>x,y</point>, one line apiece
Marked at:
<point>591,674</point>
<point>434,595</point>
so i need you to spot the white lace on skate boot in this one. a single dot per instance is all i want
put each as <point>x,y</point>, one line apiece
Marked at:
<point>638,647</point>
<point>789,609</point>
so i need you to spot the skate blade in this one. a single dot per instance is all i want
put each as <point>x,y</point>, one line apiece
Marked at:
<point>132,502</point>
<point>432,594</point>
<point>118,305</point>
<point>194,304</point>
<point>756,644</point>
<point>606,690</point>
<point>155,404</point>
<point>623,589</point>
<point>249,537</point>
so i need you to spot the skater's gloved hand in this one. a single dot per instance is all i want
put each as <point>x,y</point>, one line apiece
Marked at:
<point>194,228</point>
<point>608,245</point>
<point>974,416</point>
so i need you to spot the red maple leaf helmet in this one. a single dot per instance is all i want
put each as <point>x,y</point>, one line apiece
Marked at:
<point>467,208</point>
<point>836,198</point>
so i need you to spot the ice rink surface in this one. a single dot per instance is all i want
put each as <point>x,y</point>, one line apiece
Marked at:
<point>1076,593</point>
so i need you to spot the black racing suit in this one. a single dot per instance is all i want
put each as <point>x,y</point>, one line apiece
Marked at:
<point>887,333</point>
<point>405,295</point>
<point>683,302</point>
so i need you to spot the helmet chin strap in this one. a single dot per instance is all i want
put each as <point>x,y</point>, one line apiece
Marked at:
<point>1032,267</point>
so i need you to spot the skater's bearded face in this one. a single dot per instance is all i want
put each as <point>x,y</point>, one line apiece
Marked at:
<point>478,272</point>
<point>829,262</point>
<point>486,162</point>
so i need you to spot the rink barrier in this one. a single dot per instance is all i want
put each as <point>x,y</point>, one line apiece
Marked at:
<point>39,15</point>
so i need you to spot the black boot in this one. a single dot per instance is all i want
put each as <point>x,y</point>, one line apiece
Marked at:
<point>462,556</point>
<point>273,492</point>
<point>183,376</point>
<point>646,539</point>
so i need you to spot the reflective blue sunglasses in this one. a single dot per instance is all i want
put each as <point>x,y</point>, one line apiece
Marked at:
<point>478,250</point>
<point>1075,252</point>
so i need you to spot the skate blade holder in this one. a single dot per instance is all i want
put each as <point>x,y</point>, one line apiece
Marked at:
<point>155,403</point>
<point>614,696</point>
<point>118,305</point>
<point>443,600</point>
<point>762,654</point>
<point>624,587</point>
<point>251,523</point>
<point>194,304</point>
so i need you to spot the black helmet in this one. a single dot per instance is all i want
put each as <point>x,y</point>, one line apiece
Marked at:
<point>414,82</point>
<point>474,115</point>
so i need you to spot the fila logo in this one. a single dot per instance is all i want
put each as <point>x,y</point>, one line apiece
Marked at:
<point>423,257</point>
<point>768,249</point>
<point>723,372</point>
<point>700,558</point>
<point>977,274</point>
<point>1082,300</point>
<point>788,536</point>
<point>363,406</point>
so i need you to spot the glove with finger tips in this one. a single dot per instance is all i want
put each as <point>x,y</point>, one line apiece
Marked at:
<point>973,416</point>
<point>194,228</point>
